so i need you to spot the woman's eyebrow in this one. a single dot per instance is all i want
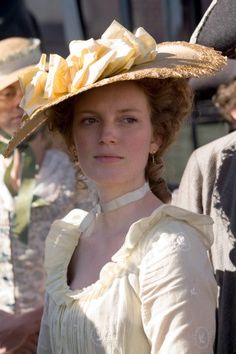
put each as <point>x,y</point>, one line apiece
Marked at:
<point>90,111</point>
<point>127,110</point>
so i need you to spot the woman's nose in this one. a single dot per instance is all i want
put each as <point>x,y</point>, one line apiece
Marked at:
<point>17,98</point>
<point>108,134</point>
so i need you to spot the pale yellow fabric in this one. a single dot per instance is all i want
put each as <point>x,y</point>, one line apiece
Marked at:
<point>157,295</point>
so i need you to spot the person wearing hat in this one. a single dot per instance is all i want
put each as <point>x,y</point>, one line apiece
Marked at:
<point>208,182</point>
<point>37,185</point>
<point>133,274</point>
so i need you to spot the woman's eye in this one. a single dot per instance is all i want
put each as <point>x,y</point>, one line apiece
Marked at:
<point>7,94</point>
<point>89,120</point>
<point>130,120</point>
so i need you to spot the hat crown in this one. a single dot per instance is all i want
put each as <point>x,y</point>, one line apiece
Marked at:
<point>15,47</point>
<point>16,54</point>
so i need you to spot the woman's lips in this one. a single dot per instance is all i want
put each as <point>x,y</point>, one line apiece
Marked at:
<point>17,118</point>
<point>108,158</point>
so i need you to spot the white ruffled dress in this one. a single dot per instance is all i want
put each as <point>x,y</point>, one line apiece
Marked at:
<point>156,295</point>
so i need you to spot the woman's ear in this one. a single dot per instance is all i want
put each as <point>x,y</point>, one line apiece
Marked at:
<point>155,144</point>
<point>73,152</point>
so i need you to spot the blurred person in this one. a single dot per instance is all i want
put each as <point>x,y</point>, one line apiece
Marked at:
<point>225,101</point>
<point>208,182</point>
<point>37,184</point>
<point>208,187</point>
<point>133,274</point>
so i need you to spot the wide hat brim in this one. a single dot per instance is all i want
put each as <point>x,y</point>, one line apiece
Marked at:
<point>9,79</point>
<point>173,60</point>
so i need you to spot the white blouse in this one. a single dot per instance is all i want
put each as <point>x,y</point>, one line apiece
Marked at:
<point>156,295</point>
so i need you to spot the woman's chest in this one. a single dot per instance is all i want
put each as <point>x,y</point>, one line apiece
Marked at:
<point>106,318</point>
<point>89,257</point>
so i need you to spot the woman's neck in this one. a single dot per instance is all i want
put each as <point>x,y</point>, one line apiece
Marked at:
<point>129,213</point>
<point>120,212</point>
<point>108,193</point>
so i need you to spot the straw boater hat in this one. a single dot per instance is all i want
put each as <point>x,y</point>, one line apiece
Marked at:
<point>118,56</point>
<point>17,54</point>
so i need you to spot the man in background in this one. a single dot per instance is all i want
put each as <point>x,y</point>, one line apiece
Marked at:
<point>208,185</point>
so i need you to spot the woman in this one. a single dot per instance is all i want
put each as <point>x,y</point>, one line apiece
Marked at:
<point>132,275</point>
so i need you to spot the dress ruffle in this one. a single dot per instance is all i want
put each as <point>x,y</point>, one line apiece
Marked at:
<point>64,237</point>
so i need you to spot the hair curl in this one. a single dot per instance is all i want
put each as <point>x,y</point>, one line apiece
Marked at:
<point>170,101</point>
<point>225,99</point>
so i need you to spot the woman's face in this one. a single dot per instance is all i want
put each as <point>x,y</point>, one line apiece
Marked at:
<point>10,112</point>
<point>113,134</point>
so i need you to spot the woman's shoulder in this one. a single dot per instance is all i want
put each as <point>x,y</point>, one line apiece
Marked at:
<point>178,243</point>
<point>167,227</point>
<point>61,242</point>
<point>63,236</point>
<point>68,224</point>
<point>171,227</point>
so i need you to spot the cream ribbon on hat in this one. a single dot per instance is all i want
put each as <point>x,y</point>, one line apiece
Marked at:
<point>130,197</point>
<point>89,61</point>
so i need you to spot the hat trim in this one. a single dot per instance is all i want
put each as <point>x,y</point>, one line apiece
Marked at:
<point>206,61</point>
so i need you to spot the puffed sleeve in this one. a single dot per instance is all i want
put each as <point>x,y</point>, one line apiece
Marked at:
<point>44,346</point>
<point>178,293</point>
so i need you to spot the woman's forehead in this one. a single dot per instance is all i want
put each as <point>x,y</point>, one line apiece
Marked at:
<point>118,90</point>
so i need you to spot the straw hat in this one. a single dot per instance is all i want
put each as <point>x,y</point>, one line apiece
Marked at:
<point>118,56</point>
<point>17,55</point>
